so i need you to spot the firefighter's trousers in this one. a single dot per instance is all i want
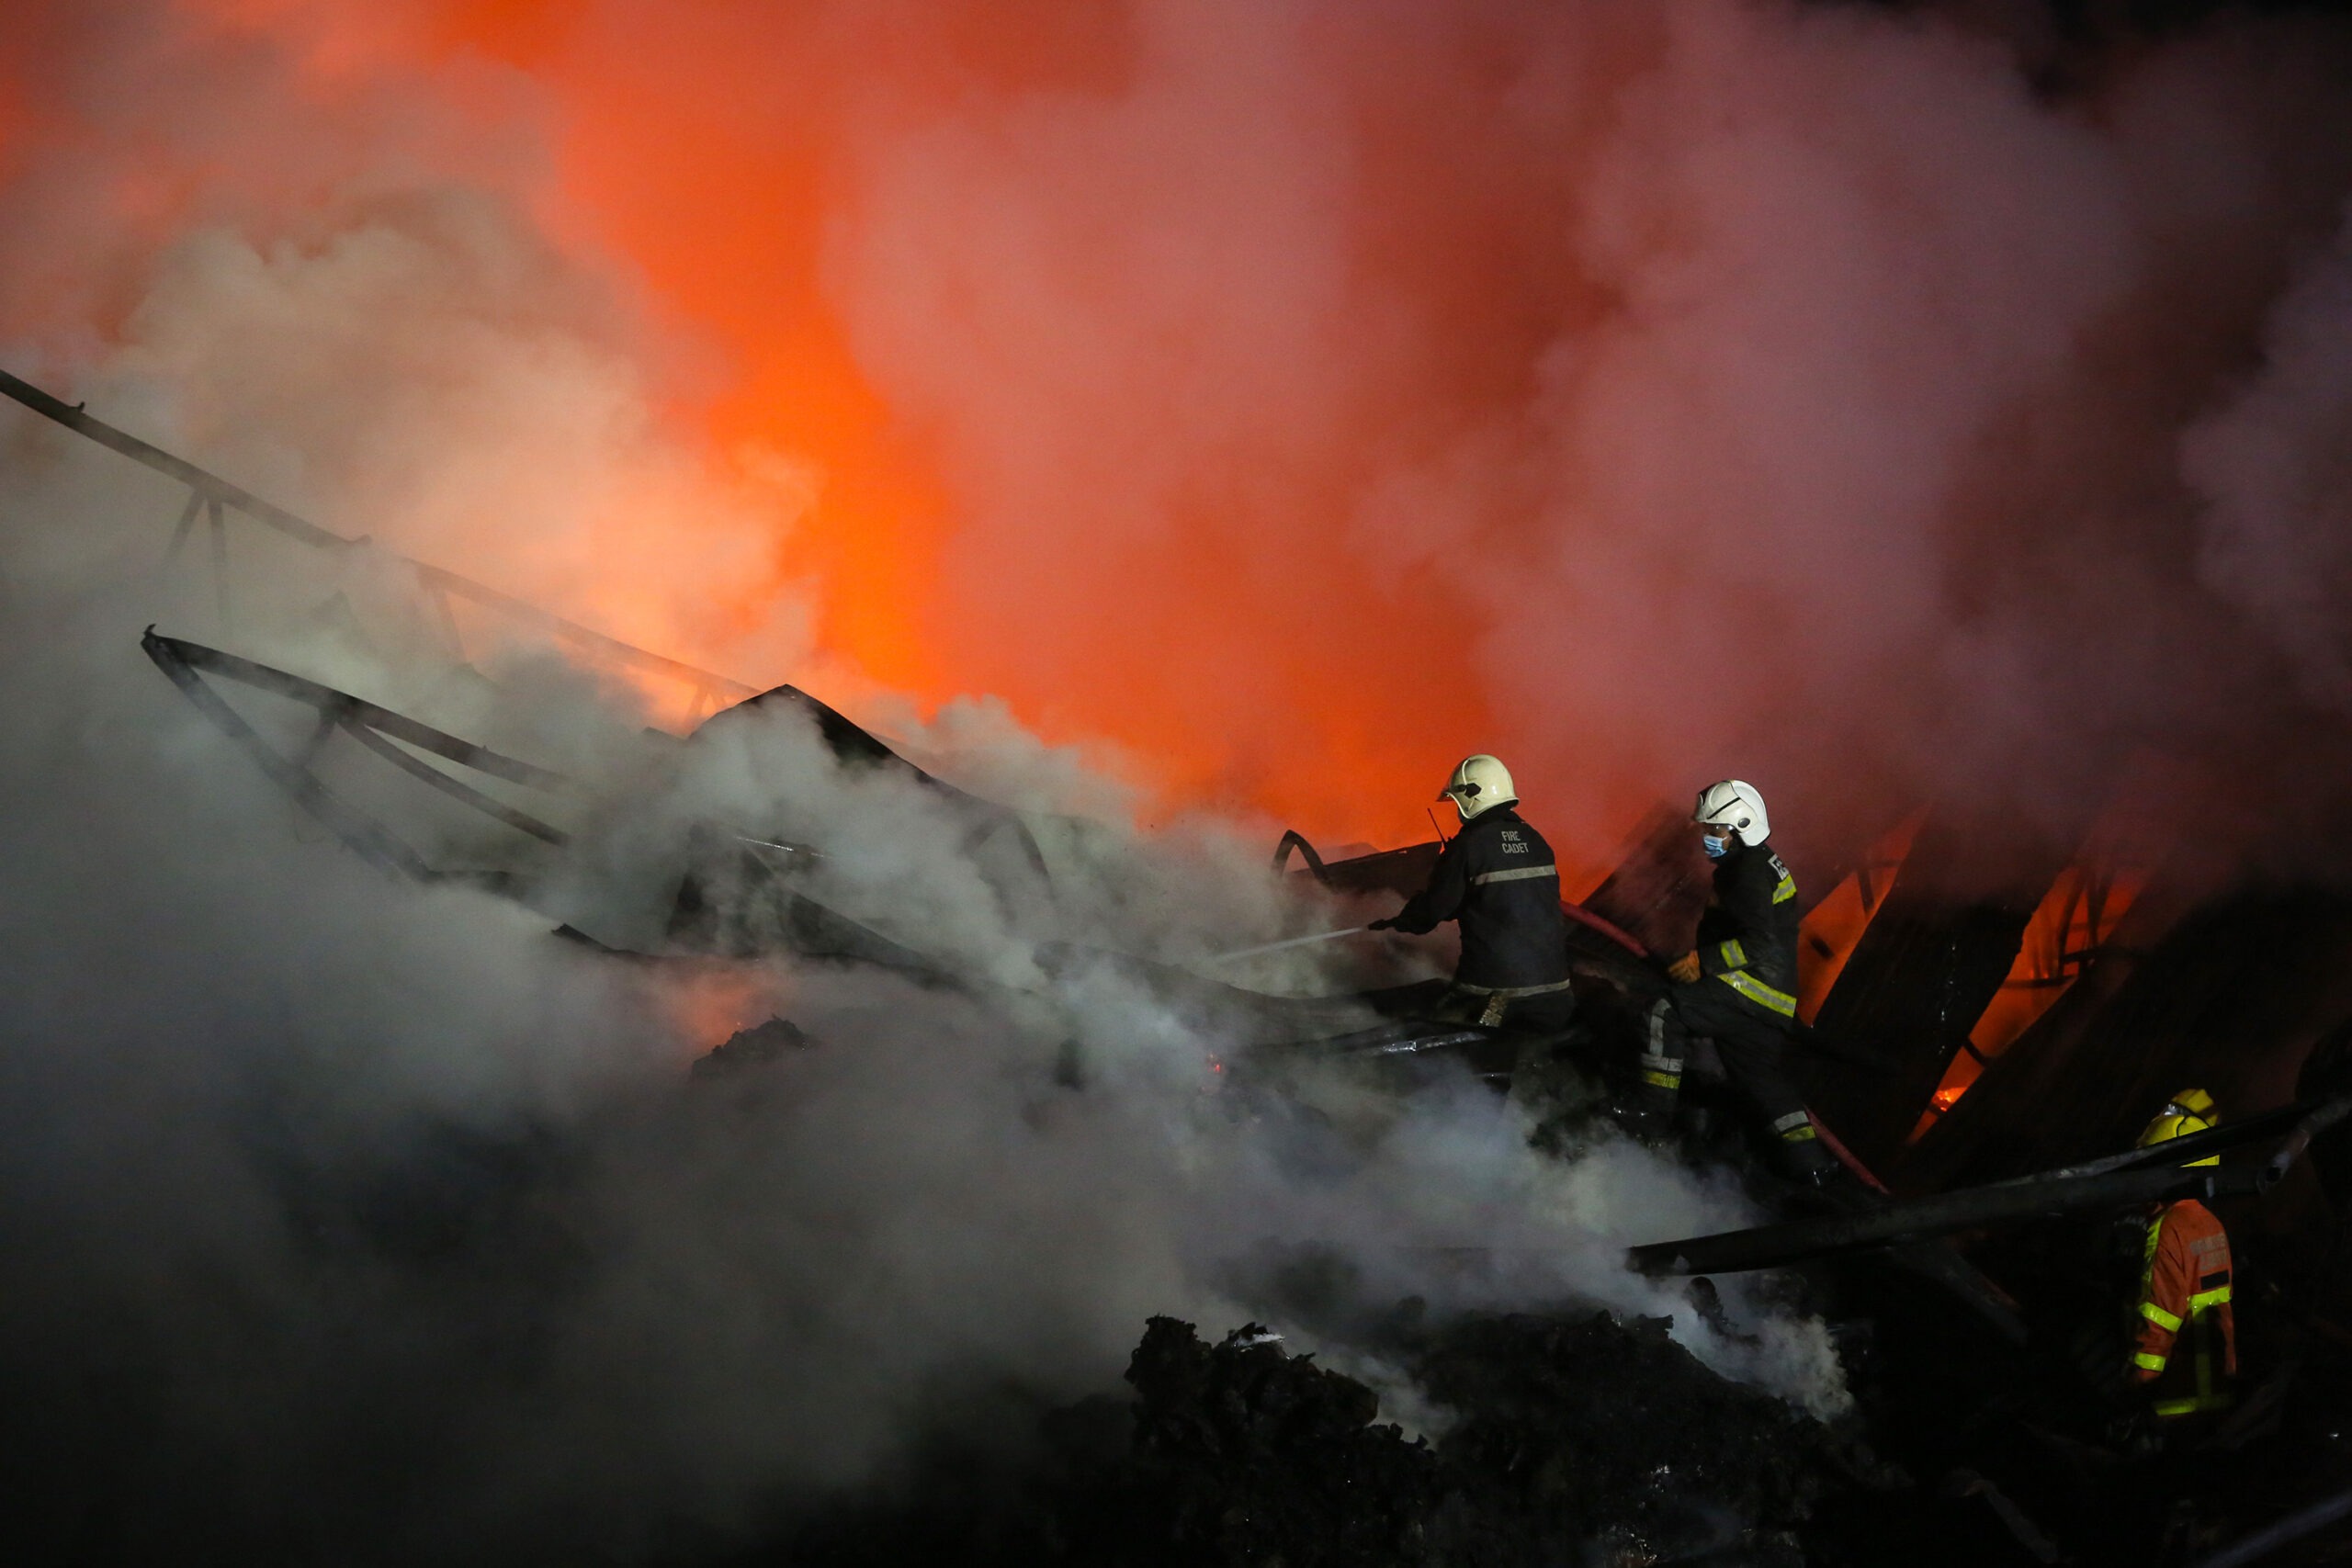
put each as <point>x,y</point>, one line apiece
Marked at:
<point>1530,1009</point>
<point>1752,1043</point>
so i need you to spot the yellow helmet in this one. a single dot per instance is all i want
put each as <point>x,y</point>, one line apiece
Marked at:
<point>2190,1110</point>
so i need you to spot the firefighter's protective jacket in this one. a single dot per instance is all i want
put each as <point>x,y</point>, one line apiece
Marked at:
<point>1497,877</point>
<point>2186,1346</point>
<point>1747,938</point>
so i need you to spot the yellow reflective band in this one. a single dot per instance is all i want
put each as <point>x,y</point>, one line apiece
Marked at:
<point>1516,873</point>
<point>1663,1080</point>
<point>2191,1405</point>
<point>2148,1361</point>
<point>2205,1301</point>
<point>2162,1318</point>
<point>1799,1134</point>
<point>1785,891</point>
<point>1757,991</point>
<point>1512,993</point>
<point>1734,955</point>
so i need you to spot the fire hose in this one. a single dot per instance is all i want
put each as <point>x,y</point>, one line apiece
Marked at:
<point>1309,939</point>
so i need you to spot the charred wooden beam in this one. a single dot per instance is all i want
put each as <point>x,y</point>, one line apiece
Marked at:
<point>1924,1219</point>
<point>185,663</point>
<point>356,710</point>
<point>1403,872</point>
<point>2120,1182</point>
<point>215,492</point>
<point>2282,1533</point>
<point>2179,1151</point>
<point>359,833</point>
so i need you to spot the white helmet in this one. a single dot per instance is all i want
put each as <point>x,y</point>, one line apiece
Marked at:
<point>1479,784</point>
<point>1735,805</point>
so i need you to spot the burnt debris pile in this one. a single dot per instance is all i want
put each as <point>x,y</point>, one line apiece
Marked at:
<point>1618,1436</point>
<point>1243,1453</point>
<point>1572,1438</point>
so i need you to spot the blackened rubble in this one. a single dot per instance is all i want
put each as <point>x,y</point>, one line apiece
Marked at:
<point>1618,1434</point>
<point>1574,1438</point>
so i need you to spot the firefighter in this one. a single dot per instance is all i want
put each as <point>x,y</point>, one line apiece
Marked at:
<point>1496,878</point>
<point>2185,1349</point>
<point>1737,987</point>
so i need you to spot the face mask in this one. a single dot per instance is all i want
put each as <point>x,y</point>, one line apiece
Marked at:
<point>1716,848</point>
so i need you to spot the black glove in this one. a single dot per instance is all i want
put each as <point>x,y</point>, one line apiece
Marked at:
<point>1386,925</point>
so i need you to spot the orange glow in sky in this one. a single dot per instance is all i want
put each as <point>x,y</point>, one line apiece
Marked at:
<point>710,150</point>
<point>1287,400</point>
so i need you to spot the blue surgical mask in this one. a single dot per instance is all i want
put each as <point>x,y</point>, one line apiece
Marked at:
<point>1716,848</point>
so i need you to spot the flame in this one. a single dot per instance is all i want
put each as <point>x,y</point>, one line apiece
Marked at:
<point>706,1006</point>
<point>2077,917</point>
<point>1832,929</point>
<point>2074,920</point>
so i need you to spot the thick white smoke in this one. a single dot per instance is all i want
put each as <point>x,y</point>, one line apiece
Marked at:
<point>376,1213</point>
<point>2271,462</point>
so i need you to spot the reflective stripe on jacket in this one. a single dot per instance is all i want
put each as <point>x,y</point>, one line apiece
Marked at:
<point>1747,938</point>
<point>1497,877</point>
<point>2186,1343</point>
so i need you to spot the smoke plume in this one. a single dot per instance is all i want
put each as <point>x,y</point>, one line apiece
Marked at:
<point>1260,405</point>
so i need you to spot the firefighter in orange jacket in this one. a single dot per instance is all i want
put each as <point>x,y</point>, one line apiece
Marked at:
<point>2185,1352</point>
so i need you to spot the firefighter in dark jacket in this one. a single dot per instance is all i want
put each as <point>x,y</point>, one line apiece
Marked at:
<point>1737,988</point>
<point>1496,878</point>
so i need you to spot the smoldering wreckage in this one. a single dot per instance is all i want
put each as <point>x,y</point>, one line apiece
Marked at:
<point>1981,1067</point>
